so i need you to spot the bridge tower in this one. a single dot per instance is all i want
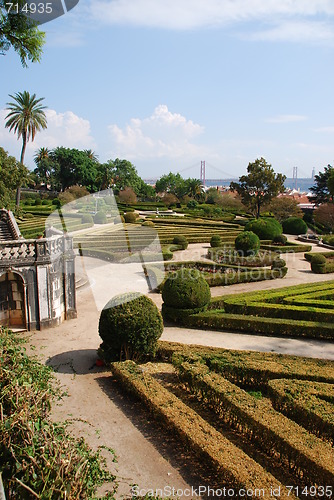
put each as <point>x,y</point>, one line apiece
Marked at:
<point>203,172</point>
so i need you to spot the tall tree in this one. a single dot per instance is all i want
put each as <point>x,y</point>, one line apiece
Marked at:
<point>259,186</point>
<point>12,174</point>
<point>26,117</point>
<point>19,32</point>
<point>71,167</point>
<point>321,190</point>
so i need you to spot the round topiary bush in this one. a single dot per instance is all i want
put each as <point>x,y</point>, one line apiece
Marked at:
<point>247,244</point>
<point>181,241</point>
<point>130,217</point>
<point>280,239</point>
<point>100,218</point>
<point>87,219</point>
<point>130,326</point>
<point>318,263</point>
<point>38,201</point>
<point>119,219</point>
<point>278,263</point>
<point>294,225</point>
<point>186,289</point>
<point>265,229</point>
<point>56,202</point>
<point>148,223</point>
<point>216,241</point>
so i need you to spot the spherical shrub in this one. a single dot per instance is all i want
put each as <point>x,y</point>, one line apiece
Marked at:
<point>278,263</point>
<point>119,219</point>
<point>280,239</point>
<point>148,223</point>
<point>318,263</point>
<point>130,217</point>
<point>181,241</point>
<point>38,201</point>
<point>319,259</point>
<point>247,243</point>
<point>294,225</point>
<point>216,241</point>
<point>87,219</point>
<point>100,218</point>
<point>130,326</point>
<point>265,229</point>
<point>186,289</point>
<point>56,202</point>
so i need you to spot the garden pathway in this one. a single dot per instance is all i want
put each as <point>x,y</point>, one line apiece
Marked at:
<point>101,413</point>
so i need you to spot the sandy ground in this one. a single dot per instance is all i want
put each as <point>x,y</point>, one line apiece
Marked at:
<point>97,408</point>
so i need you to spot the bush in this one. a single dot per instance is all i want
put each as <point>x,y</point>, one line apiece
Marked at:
<point>100,218</point>
<point>148,223</point>
<point>318,263</point>
<point>265,229</point>
<point>119,219</point>
<point>329,240</point>
<point>181,241</point>
<point>278,264</point>
<point>216,241</point>
<point>87,219</point>
<point>130,217</point>
<point>186,289</point>
<point>192,204</point>
<point>247,243</point>
<point>38,201</point>
<point>294,225</point>
<point>56,202</point>
<point>280,239</point>
<point>130,326</point>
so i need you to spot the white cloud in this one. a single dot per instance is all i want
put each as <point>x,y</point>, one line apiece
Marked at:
<point>64,129</point>
<point>163,134</point>
<point>190,14</point>
<point>286,119</point>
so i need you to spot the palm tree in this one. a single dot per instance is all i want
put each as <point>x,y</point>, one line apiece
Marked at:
<point>195,188</point>
<point>25,118</point>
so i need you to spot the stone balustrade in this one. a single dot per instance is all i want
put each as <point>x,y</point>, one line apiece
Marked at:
<point>30,251</point>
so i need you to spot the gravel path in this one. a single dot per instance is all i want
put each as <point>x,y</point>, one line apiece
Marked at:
<point>100,412</point>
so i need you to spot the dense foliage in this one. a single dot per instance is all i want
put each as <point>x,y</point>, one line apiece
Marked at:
<point>247,243</point>
<point>130,326</point>
<point>294,225</point>
<point>265,228</point>
<point>186,289</point>
<point>215,241</point>
<point>259,186</point>
<point>39,459</point>
<point>181,241</point>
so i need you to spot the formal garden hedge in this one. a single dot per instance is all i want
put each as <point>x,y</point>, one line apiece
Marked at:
<point>321,262</point>
<point>218,274</point>
<point>249,416</point>
<point>278,312</point>
<point>239,470</point>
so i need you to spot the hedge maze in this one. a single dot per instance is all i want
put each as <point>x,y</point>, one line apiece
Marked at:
<point>298,311</point>
<point>261,421</point>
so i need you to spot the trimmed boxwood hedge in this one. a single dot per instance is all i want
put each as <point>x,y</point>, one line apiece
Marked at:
<point>181,241</point>
<point>186,289</point>
<point>265,228</point>
<point>247,244</point>
<point>294,225</point>
<point>130,326</point>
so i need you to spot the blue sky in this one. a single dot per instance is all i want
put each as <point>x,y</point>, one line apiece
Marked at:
<point>168,83</point>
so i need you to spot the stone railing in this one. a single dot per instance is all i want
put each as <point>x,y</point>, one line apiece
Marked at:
<point>29,251</point>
